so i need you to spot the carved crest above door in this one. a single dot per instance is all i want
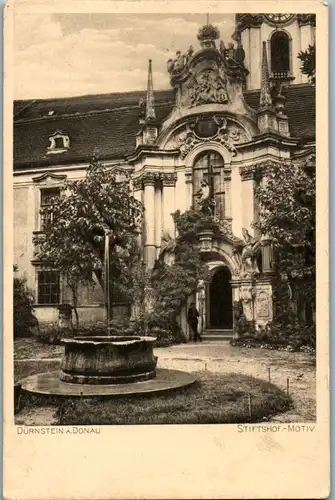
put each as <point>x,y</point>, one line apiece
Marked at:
<point>208,129</point>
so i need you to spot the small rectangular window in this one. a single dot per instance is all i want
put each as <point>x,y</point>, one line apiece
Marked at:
<point>48,287</point>
<point>47,196</point>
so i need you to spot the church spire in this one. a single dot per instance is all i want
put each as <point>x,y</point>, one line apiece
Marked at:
<point>265,100</point>
<point>150,100</point>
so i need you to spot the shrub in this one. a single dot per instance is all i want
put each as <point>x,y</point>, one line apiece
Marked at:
<point>242,326</point>
<point>52,334</point>
<point>24,319</point>
<point>284,331</point>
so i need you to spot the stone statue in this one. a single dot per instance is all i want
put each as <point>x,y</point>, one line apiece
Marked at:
<point>190,52</point>
<point>234,57</point>
<point>167,249</point>
<point>222,48</point>
<point>170,66</point>
<point>205,201</point>
<point>175,66</point>
<point>249,254</point>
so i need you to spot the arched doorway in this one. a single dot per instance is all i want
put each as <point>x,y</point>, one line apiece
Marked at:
<point>220,300</point>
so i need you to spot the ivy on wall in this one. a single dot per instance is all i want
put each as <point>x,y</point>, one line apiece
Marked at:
<point>173,283</point>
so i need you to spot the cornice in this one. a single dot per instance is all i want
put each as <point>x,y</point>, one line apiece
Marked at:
<point>151,178</point>
<point>150,151</point>
<point>49,175</point>
<point>271,138</point>
<point>258,170</point>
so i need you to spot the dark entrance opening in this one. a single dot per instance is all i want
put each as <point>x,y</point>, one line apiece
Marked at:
<point>220,300</point>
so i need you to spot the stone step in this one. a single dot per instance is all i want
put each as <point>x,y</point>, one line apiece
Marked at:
<point>210,334</point>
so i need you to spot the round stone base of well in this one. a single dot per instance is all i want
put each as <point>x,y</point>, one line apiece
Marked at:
<point>49,384</point>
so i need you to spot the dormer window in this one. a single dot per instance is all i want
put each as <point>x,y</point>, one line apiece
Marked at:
<point>59,143</point>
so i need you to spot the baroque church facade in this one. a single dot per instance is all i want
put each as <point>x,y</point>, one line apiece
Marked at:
<point>204,144</point>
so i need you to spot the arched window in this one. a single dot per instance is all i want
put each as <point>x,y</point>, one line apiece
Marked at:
<point>280,54</point>
<point>208,167</point>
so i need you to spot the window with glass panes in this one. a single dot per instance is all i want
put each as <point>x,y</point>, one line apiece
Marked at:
<point>47,196</point>
<point>208,166</point>
<point>48,287</point>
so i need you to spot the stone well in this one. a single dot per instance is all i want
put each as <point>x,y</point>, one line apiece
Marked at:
<point>107,366</point>
<point>108,360</point>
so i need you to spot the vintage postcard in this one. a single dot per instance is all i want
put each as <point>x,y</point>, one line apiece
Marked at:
<point>166,250</point>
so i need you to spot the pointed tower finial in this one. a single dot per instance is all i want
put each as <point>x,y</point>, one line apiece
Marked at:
<point>150,101</point>
<point>265,100</point>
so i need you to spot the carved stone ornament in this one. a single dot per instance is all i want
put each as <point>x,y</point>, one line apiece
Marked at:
<point>168,179</point>
<point>207,87</point>
<point>188,138</point>
<point>306,19</point>
<point>150,178</point>
<point>247,295</point>
<point>249,21</point>
<point>254,172</point>
<point>263,305</point>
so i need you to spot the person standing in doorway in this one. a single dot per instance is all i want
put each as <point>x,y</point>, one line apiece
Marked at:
<point>192,317</point>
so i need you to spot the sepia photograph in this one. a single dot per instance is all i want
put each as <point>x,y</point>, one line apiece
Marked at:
<point>164,267</point>
<point>166,280</point>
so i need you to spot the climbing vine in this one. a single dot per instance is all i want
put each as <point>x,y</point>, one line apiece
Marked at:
<point>172,284</point>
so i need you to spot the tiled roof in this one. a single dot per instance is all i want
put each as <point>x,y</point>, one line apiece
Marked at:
<point>110,122</point>
<point>300,109</point>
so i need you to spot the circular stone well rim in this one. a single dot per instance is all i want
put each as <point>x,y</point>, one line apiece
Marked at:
<point>101,339</point>
<point>49,384</point>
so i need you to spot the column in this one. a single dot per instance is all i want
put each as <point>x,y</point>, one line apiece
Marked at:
<point>247,177</point>
<point>267,256</point>
<point>169,183</point>
<point>138,195</point>
<point>158,217</point>
<point>189,189</point>
<point>149,219</point>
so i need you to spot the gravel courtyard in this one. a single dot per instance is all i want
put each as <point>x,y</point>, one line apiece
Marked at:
<point>219,357</point>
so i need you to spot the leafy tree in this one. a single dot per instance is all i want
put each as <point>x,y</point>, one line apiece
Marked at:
<point>307,58</point>
<point>87,210</point>
<point>172,284</point>
<point>287,215</point>
<point>22,305</point>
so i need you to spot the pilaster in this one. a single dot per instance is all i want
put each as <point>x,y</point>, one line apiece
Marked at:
<point>227,195</point>
<point>158,217</point>
<point>248,176</point>
<point>168,193</point>
<point>148,180</point>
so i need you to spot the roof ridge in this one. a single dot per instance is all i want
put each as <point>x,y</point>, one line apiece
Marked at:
<point>85,113</point>
<point>85,96</point>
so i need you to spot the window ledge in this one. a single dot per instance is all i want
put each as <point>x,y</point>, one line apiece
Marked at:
<point>36,306</point>
<point>57,151</point>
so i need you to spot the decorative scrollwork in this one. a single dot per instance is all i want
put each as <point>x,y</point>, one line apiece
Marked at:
<point>188,138</point>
